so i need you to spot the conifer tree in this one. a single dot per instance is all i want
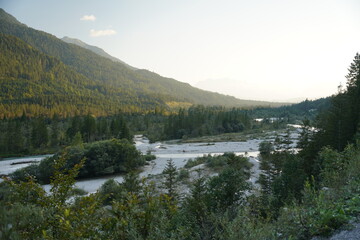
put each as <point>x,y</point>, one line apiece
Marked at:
<point>54,139</point>
<point>88,128</point>
<point>170,173</point>
<point>39,134</point>
<point>77,140</point>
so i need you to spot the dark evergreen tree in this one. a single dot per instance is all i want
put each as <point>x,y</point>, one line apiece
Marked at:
<point>74,128</point>
<point>88,128</point>
<point>170,173</point>
<point>55,131</point>
<point>39,133</point>
<point>132,183</point>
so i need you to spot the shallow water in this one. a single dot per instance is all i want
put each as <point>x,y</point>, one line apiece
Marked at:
<point>180,153</point>
<point>7,167</point>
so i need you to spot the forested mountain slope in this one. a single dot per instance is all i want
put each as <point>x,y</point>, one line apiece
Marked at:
<point>38,84</point>
<point>142,87</point>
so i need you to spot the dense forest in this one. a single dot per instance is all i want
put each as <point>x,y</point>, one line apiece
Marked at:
<point>38,84</point>
<point>309,109</point>
<point>24,136</point>
<point>35,135</point>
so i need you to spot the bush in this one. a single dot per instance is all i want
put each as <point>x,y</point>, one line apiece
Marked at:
<point>23,173</point>
<point>197,161</point>
<point>318,215</point>
<point>183,174</point>
<point>226,189</point>
<point>78,192</point>
<point>110,191</point>
<point>21,221</point>
<point>266,148</point>
<point>149,157</point>
<point>102,158</point>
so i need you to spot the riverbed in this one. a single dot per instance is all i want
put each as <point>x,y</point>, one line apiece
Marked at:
<point>179,152</point>
<point>10,165</point>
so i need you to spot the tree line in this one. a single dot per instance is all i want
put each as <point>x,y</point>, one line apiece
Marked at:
<point>34,135</point>
<point>23,136</point>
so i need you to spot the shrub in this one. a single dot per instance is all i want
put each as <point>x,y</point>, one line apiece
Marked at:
<point>197,161</point>
<point>102,158</point>
<point>183,174</point>
<point>110,191</point>
<point>149,157</point>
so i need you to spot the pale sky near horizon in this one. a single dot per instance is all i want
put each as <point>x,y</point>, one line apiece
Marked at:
<point>262,49</point>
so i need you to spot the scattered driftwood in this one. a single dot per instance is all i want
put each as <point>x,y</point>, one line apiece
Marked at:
<point>23,162</point>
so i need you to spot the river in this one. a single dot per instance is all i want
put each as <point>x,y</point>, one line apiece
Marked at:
<point>180,153</point>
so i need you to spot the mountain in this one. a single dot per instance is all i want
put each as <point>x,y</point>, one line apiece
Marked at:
<point>94,49</point>
<point>110,82</point>
<point>38,84</point>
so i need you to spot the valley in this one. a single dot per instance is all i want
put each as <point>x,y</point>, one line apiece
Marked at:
<point>93,148</point>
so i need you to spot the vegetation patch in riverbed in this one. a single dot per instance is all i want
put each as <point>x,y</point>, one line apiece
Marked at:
<point>101,158</point>
<point>234,137</point>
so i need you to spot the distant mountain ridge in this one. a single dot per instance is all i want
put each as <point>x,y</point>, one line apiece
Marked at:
<point>94,49</point>
<point>129,88</point>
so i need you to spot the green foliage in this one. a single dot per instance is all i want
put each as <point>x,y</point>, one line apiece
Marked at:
<point>226,189</point>
<point>21,221</point>
<point>31,213</point>
<point>340,124</point>
<point>219,162</point>
<point>132,183</point>
<point>216,162</point>
<point>111,190</point>
<point>325,205</point>
<point>77,140</point>
<point>245,226</point>
<point>170,172</point>
<point>288,186</point>
<point>183,175</point>
<point>308,109</point>
<point>39,135</point>
<point>197,161</point>
<point>319,214</point>
<point>199,121</point>
<point>78,192</point>
<point>102,158</point>
<point>265,148</point>
<point>46,135</point>
<point>149,157</point>
<point>216,208</point>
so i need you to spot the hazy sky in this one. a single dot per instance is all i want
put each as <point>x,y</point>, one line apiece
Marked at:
<point>260,49</point>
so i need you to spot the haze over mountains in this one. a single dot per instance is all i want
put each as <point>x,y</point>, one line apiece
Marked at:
<point>42,74</point>
<point>94,49</point>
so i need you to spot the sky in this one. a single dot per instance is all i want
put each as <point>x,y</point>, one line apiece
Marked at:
<point>274,50</point>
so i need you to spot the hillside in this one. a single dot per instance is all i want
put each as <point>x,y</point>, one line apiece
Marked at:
<point>143,86</point>
<point>38,84</point>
